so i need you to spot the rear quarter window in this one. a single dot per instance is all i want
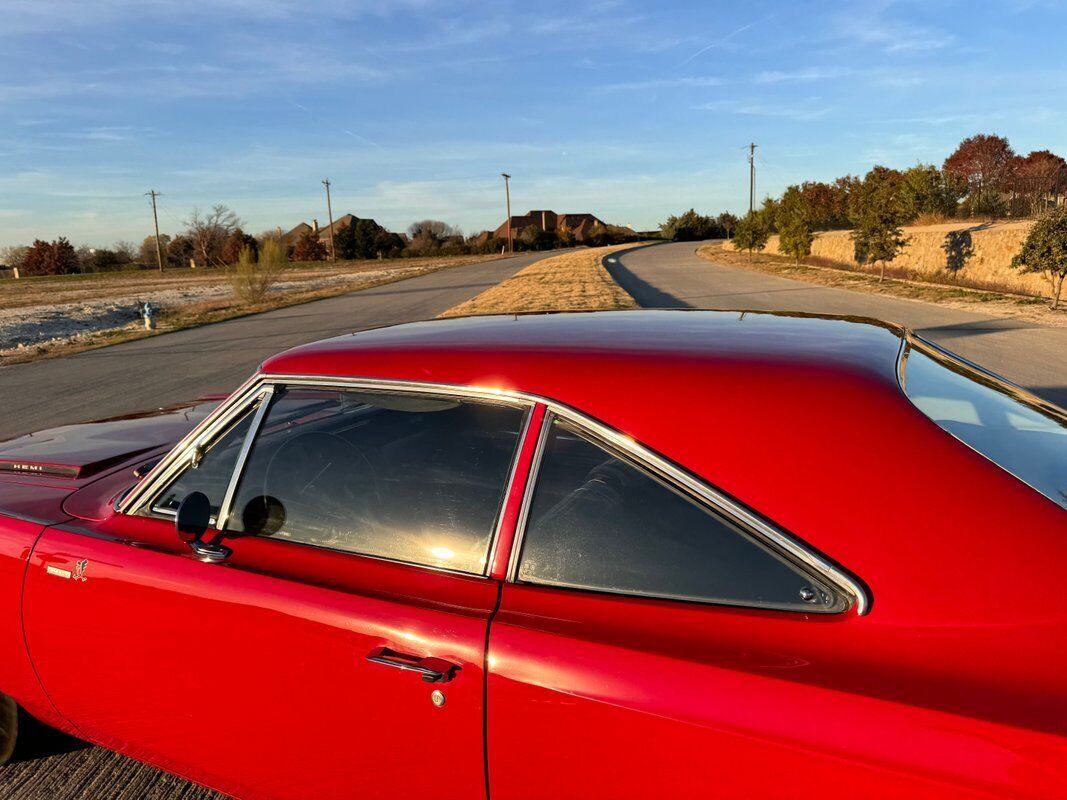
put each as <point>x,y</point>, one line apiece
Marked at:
<point>1021,434</point>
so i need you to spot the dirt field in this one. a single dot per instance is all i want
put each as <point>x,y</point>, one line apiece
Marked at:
<point>570,282</point>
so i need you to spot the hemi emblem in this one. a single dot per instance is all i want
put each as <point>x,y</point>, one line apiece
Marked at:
<point>66,574</point>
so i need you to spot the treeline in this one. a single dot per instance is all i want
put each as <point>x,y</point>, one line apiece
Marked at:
<point>694,227</point>
<point>216,238</point>
<point>983,178</point>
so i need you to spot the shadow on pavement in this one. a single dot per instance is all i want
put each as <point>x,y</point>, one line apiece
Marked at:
<point>978,327</point>
<point>1054,394</point>
<point>37,740</point>
<point>646,295</point>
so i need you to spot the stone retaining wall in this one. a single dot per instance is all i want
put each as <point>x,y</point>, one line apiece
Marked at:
<point>977,253</point>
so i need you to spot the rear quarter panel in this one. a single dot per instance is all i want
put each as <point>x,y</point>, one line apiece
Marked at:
<point>954,685</point>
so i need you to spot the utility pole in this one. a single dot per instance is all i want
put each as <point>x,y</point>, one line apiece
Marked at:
<point>329,210</point>
<point>507,195</point>
<point>155,218</point>
<point>751,178</point>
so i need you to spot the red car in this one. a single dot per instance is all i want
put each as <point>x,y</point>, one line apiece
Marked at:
<point>620,555</point>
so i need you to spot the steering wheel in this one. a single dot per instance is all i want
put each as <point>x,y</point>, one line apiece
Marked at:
<point>324,477</point>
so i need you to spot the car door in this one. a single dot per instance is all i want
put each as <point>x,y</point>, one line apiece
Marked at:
<point>649,645</point>
<point>360,528</point>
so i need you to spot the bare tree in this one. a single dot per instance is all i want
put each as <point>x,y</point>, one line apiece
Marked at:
<point>13,256</point>
<point>125,251</point>
<point>209,232</point>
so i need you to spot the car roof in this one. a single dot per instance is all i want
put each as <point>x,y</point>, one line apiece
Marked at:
<point>433,350</point>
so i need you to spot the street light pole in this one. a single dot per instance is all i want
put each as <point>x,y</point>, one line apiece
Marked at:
<point>329,210</point>
<point>507,195</point>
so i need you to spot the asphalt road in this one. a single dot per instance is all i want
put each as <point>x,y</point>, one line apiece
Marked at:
<point>183,365</point>
<point>673,276</point>
<point>159,371</point>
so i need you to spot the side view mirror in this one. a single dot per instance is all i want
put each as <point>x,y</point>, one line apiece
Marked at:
<point>192,522</point>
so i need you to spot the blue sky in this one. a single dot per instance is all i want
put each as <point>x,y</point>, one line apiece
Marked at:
<point>632,110</point>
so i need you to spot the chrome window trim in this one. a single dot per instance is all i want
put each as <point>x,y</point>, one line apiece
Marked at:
<point>527,495</point>
<point>509,487</point>
<point>140,498</point>
<point>264,399</point>
<point>678,477</point>
<point>694,488</point>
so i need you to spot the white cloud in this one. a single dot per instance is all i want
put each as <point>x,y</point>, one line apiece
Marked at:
<point>806,75</point>
<point>797,113</point>
<point>870,25</point>
<point>663,83</point>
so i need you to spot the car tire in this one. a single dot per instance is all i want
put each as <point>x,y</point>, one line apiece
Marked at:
<point>9,727</point>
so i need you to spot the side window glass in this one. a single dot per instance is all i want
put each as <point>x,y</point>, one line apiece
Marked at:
<point>407,477</point>
<point>212,473</point>
<point>599,522</point>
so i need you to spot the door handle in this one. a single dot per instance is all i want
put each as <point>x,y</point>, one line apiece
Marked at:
<point>432,669</point>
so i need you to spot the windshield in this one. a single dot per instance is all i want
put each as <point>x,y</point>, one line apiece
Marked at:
<point>1023,435</point>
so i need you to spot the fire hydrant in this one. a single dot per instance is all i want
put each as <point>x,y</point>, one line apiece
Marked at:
<point>148,312</point>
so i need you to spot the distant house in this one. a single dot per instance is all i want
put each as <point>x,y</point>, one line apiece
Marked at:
<point>323,233</point>
<point>578,224</point>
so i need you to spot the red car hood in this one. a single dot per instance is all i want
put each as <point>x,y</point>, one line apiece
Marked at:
<point>39,470</point>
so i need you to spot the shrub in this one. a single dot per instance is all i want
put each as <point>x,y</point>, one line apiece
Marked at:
<point>309,248</point>
<point>533,238</point>
<point>752,233</point>
<point>793,220</point>
<point>180,251</point>
<point>691,227</point>
<point>148,254</point>
<point>103,260</point>
<point>877,214</point>
<point>927,191</point>
<point>1045,251</point>
<point>252,277</point>
<point>235,244</point>
<point>50,258</point>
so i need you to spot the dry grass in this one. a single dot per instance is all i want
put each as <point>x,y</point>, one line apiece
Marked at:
<point>571,282</point>
<point>827,273</point>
